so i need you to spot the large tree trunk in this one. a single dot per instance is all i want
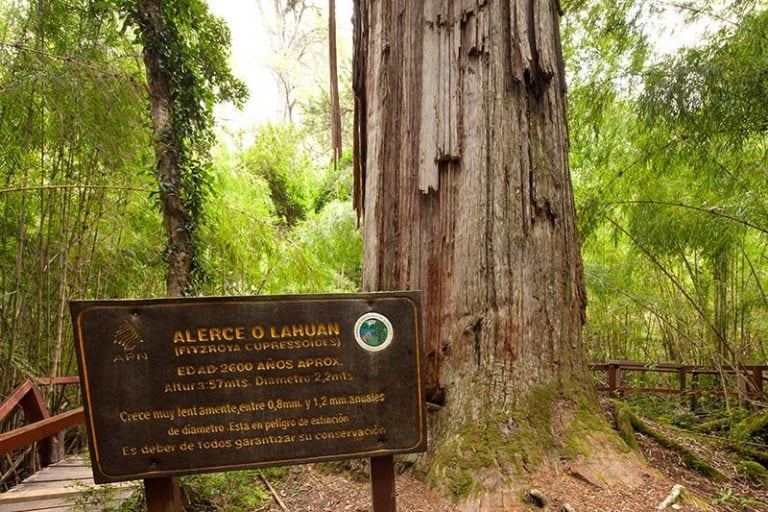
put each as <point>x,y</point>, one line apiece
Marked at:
<point>466,194</point>
<point>155,41</point>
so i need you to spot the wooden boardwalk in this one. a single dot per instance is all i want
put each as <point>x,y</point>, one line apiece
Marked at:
<point>61,486</point>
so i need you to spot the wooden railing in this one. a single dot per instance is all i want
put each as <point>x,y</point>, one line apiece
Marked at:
<point>39,426</point>
<point>748,380</point>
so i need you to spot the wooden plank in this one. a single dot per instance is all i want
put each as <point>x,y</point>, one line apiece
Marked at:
<point>32,487</point>
<point>66,468</point>
<point>614,379</point>
<point>56,488</point>
<point>74,462</point>
<point>68,473</point>
<point>35,506</point>
<point>30,491</point>
<point>34,406</point>
<point>65,503</point>
<point>757,378</point>
<point>35,409</point>
<point>58,476</point>
<point>37,493</point>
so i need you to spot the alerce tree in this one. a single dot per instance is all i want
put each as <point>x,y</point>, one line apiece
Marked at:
<point>463,183</point>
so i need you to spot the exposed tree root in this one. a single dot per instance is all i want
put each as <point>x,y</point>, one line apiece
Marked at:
<point>713,425</point>
<point>750,425</point>
<point>624,424</point>
<point>749,453</point>
<point>755,471</point>
<point>740,432</point>
<point>630,423</point>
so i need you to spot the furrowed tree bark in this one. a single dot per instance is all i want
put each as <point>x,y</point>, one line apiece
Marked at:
<point>155,39</point>
<point>462,147</point>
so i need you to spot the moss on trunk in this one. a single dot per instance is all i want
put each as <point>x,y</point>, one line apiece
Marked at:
<point>497,448</point>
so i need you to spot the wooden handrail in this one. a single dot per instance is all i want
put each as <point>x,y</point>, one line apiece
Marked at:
<point>9,404</point>
<point>39,430</point>
<point>57,381</point>
<point>750,378</point>
<point>40,424</point>
<point>671,367</point>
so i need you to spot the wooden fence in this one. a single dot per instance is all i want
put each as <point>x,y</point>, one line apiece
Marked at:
<point>743,381</point>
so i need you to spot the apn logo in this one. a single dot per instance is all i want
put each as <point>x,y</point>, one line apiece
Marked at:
<point>128,337</point>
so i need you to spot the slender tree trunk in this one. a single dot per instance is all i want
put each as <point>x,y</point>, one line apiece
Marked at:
<point>334,85</point>
<point>466,193</point>
<point>155,39</point>
<point>721,275</point>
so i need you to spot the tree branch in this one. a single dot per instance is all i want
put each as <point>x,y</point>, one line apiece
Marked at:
<point>702,314</point>
<point>713,210</point>
<point>79,187</point>
<point>63,58</point>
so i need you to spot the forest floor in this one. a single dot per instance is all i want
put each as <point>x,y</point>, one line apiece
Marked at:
<point>324,489</point>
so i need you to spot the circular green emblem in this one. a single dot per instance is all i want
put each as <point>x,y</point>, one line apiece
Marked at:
<point>373,332</point>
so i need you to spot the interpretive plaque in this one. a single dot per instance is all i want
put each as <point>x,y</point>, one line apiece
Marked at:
<point>179,386</point>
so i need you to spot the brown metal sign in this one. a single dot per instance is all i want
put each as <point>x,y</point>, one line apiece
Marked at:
<point>180,386</point>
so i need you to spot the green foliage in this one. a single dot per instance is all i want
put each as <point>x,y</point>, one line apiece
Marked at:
<point>669,166</point>
<point>728,497</point>
<point>754,426</point>
<point>237,243</point>
<point>108,498</point>
<point>316,112</point>
<point>277,157</point>
<point>715,90</point>
<point>74,160</point>
<point>77,178</point>
<point>326,255</point>
<point>255,243</point>
<point>235,491</point>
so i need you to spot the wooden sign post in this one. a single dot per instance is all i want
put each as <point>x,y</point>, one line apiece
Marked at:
<point>163,494</point>
<point>181,386</point>
<point>383,483</point>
